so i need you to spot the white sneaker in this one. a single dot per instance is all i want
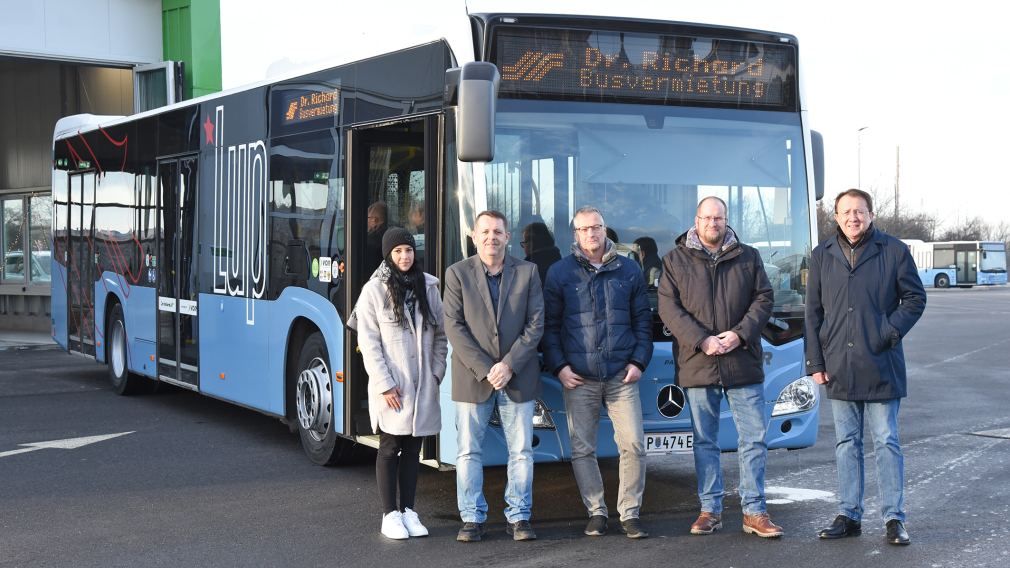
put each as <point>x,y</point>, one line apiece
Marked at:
<point>392,526</point>
<point>413,524</point>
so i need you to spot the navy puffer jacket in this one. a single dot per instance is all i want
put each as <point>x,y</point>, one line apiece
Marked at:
<point>596,320</point>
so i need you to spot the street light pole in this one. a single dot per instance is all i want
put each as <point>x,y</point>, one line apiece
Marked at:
<point>859,157</point>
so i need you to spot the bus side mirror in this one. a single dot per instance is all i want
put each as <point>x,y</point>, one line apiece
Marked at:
<point>817,150</point>
<point>477,93</point>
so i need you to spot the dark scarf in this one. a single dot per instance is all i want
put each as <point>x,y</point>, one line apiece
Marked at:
<point>850,250</point>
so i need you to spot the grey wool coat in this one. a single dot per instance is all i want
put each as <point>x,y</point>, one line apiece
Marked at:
<point>412,358</point>
<point>479,339</point>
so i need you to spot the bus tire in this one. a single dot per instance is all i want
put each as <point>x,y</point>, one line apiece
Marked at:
<point>314,405</point>
<point>942,281</point>
<point>117,356</point>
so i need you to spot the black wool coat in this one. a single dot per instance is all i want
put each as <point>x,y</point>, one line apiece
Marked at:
<point>857,316</point>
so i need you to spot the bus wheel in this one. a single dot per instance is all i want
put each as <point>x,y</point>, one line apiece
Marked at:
<point>942,281</point>
<point>123,381</point>
<point>314,403</point>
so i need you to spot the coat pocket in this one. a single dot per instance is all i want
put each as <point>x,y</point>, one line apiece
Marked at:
<point>391,330</point>
<point>881,337</point>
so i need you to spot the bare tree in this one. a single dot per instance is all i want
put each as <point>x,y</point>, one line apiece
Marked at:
<point>974,229</point>
<point>907,224</point>
<point>825,220</point>
<point>1000,232</point>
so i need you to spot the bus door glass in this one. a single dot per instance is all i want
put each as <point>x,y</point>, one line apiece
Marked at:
<point>391,176</point>
<point>965,260</point>
<point>972,265</point>
<point>178,360</point>
<point>80,264</point>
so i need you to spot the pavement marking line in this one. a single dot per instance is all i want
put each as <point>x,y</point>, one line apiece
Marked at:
<point>946,469</point>
<point>67,444</point>
<point>1001,433</point>
<point>963,355</point>
<point>786,495</point>
<point>913,450</point>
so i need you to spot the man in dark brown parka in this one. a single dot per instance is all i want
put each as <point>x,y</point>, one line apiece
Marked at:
<point>714,296</point>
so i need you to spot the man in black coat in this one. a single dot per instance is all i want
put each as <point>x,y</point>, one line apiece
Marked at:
<point>376,224</point>
<point>863,296</point>
<point>538,244</point>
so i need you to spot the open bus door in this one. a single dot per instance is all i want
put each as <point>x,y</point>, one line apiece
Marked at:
<point>175,261</point>
<point>392,183</point>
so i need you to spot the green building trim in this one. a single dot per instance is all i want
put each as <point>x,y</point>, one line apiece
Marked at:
<point>191,32</point>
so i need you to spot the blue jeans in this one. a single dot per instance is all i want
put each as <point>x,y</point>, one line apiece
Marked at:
<point>624,408</point>
<point>882,417</point>
<point>471,425</point>
<point>747,404</point>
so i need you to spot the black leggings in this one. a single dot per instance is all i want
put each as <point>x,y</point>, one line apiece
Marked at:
<point>397,461</point>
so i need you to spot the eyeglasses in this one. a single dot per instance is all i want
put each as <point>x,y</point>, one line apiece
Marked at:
<point>589,229</point>
<point>853,213</point>
<point>712,219</point>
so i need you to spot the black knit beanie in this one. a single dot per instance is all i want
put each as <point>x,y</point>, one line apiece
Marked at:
<point>394,237</point>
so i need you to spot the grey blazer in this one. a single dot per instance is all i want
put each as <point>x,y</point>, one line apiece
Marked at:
<point>478,341</point>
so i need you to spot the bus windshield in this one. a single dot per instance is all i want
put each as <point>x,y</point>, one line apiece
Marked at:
<point>646,167</point>
<point>993,259</point>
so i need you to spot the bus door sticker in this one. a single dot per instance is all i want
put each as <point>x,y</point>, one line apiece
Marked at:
<point>240,207</point>
<point>166,304</point>
<point>325,269</point>
<point>187,307</point>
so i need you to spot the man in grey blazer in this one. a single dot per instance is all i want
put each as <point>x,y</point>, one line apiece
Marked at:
<point>494,318</point>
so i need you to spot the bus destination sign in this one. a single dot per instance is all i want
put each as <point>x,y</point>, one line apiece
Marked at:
<point>652,68</point>
<point>310,105</point>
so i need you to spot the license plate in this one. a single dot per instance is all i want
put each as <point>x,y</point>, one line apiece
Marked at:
<point>659,443</point>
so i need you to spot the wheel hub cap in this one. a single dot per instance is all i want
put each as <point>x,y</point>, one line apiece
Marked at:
<point>118,351</point>
<point>314,399</point>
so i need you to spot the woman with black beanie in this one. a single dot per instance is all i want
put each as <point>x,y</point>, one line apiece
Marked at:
<point>398,318</point>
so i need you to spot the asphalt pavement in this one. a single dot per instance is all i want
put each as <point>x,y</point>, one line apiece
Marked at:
<point>178,479</point>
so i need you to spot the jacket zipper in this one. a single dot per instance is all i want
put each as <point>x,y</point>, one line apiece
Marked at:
<point>718,362</point>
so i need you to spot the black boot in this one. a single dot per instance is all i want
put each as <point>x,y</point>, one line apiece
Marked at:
<point>841,527</point>
<point>896,533</point>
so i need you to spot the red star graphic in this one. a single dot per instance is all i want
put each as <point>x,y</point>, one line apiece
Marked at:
<point>208,128</point>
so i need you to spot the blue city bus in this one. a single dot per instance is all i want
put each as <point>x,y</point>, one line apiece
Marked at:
<point>930,275</point>
<point>975,263</point>
<point>960,263</point>
<point>218,244</point>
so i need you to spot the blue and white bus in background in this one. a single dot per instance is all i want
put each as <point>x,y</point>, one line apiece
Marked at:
<point>931,275</point>
<point>960,263</point>
<point>218,244</point>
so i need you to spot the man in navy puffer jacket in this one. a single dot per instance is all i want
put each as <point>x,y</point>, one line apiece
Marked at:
<point>598,340</point>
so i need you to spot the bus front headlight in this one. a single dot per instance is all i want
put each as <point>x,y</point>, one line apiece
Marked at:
<point>541,417</point>
<point>798,396</point>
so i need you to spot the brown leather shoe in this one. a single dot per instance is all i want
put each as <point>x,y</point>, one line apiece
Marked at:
<point>707,523</point>
<point>761,525</point>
